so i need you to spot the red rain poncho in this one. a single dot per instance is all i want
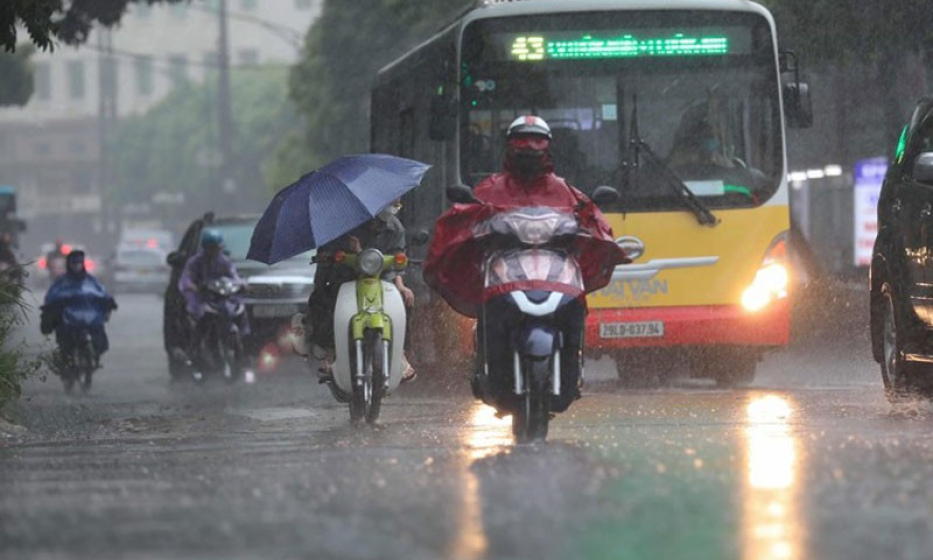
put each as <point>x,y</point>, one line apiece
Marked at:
<point>454,265</point>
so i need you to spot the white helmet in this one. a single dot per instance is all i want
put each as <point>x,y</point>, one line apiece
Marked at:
<point>529,124</point>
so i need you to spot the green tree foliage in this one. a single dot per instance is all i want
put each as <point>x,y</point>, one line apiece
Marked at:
<point>14,366</point>
<point>70,21</point>
<point>171,148</point>
<point>330,86</point>
<point>17,84</point>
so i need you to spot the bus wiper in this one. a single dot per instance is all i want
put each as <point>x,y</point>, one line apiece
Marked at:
<point>703,214</point>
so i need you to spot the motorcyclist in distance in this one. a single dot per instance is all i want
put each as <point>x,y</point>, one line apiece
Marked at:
<point>55,256</point>
<point>207,264</point>
<point>77,300</point>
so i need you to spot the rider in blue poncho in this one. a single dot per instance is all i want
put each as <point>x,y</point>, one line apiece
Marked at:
<point>75,302</point>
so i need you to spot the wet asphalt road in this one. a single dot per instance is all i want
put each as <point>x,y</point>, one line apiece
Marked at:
<point>809,462</point>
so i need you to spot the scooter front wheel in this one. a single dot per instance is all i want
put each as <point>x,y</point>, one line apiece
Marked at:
<point>369,385</point>
<point>531,418</point>
<point>84,364</point>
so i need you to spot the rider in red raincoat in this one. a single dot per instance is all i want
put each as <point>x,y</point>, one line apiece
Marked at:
<point>454,263</point>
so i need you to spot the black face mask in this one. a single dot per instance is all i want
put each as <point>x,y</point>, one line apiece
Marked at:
<point>528,164</point>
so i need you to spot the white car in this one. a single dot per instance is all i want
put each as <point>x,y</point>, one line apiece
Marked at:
<point>139,269</point>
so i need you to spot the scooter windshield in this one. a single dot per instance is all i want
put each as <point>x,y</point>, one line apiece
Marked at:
<point>531,226</point>
<point>532,269</point>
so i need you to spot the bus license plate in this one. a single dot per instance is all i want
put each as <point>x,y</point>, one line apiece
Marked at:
<point>641,329</point>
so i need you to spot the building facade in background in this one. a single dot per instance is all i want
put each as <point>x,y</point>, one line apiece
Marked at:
<point>50,149</point>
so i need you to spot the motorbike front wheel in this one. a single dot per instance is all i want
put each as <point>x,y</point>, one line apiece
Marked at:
<point>82,366</point>
<point>530,421</point>
<point>231,356</point>
<point>366,400</point>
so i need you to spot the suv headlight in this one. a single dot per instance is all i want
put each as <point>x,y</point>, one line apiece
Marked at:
<point>371,262</point>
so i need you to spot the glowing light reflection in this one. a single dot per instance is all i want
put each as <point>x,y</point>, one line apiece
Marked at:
<point>486,435</point>
<point>770,528</point>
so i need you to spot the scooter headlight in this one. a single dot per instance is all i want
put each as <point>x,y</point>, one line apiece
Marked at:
<point>371,262</point>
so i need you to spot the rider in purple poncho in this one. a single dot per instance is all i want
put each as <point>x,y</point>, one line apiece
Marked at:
<point>208,264</point>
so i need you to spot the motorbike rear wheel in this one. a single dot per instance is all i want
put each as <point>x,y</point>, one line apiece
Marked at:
<point>531,418</point>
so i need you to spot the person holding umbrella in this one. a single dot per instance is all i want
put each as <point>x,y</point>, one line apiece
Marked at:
<point>337,208</point>
<point>385,233</point>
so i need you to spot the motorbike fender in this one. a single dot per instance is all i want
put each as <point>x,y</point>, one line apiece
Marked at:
<point>537,341</point>
<point>345,313</point>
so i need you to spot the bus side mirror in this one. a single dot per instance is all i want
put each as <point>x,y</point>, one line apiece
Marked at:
<point>798,108</point>
<point>461,194</point>
<point>443,123</point>
<point>605,196</point>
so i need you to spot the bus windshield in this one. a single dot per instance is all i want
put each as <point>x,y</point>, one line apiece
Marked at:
<point>630,97</point>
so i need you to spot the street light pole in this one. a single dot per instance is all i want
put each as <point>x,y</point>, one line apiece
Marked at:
<point>106,120</point>
<point>224,118</point>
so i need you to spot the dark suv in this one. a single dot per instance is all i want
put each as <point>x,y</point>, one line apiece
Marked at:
<point>275,293</point>
<point>902,264</point>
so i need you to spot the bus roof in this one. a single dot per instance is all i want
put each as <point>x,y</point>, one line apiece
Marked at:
<point>504,8</point>
<point>499,8</point>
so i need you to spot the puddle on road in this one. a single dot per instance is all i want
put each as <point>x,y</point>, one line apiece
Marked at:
<point>274,414</point>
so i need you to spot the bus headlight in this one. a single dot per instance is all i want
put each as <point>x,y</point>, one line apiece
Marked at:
<point>770,284</point>
<point>772,278</point>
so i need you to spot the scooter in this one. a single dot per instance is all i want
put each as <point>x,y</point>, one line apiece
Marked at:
<point>529,335</point>
<point>221,351</point>
<point>369,333</point>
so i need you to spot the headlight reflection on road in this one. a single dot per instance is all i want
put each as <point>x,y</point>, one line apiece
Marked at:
<point>485,436</point>
<point>770,503</point>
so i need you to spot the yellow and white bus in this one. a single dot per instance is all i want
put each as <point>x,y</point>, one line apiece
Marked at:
<point>677,104</point>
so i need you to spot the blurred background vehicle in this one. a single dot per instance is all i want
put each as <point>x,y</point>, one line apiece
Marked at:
<point>138,269</point>
<point>38,267</point>
<point>274,293</point>
<point>148,238</point>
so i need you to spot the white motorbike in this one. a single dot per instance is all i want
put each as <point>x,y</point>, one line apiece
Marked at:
<point>369,333</point>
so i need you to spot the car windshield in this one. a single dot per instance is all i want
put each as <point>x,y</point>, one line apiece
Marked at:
<point>237,236</point>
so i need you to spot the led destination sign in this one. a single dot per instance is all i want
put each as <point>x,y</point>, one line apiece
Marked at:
<point>538,47</point>
<point>524,45</point>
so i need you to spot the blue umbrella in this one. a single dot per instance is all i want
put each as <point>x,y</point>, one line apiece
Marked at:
<point>329,202</point>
